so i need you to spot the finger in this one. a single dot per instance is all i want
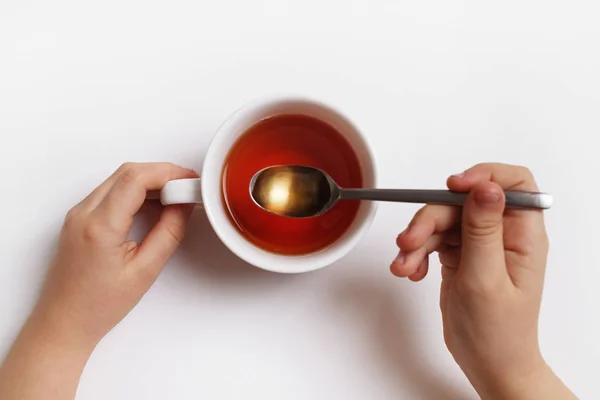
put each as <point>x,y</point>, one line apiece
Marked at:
<point>449,240</point>
<point>128,193</point>
<point>450,257</point>
<point>427,221</point>
<point>163,239</point>
<point>482,254</point>
<point>508,177</point>
<point>448,272</point>
<point>92,200</point>
<point>524,227</point>
<point>421,270</point>
<point>453,237</point>
<point>407,264</point>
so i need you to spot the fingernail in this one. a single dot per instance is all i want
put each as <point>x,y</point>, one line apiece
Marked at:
<point>461,175</point>
<point>487,197</point>
<point>192,171</point>
<point>400,258</point>
<point>404,232</point>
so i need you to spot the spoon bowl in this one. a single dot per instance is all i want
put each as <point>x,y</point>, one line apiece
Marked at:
<point>294,191</point>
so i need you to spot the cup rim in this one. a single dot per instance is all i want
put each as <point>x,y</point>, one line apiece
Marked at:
<point>318,260</point>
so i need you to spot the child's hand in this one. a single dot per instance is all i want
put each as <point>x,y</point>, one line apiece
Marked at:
<point>99,275</point>
<point>493,264</point>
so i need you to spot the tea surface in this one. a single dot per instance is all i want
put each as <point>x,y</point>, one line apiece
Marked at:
<point>289,139</point>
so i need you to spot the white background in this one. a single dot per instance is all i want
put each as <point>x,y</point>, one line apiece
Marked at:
<point>436,85</point>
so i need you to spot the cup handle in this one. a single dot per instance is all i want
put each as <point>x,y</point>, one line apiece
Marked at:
<point>182,191</point>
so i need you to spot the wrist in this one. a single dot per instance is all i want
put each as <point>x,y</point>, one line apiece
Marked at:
<point>521,382</point>
<point>46,360</point>
<point>59,331</point>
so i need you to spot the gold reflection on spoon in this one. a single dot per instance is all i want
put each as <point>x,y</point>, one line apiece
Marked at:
<point>277,192</point>
<point>288,192</point>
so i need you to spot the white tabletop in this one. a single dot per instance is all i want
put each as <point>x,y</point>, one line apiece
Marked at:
<point>437,85</point>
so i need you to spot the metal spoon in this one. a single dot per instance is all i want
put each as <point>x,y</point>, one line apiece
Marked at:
<point>300,192</point>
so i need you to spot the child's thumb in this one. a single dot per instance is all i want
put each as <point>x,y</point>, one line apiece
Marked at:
<point>482,244</point>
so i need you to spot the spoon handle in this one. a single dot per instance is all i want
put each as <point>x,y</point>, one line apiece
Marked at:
<point>514,199</point>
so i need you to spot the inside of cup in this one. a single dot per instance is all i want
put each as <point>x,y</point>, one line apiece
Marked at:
<point>217,153</point>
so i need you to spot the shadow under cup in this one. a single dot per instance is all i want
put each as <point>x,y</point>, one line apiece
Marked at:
<point>212,183</point>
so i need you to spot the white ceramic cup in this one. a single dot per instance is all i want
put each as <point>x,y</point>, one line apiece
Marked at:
<point>207,190</point>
